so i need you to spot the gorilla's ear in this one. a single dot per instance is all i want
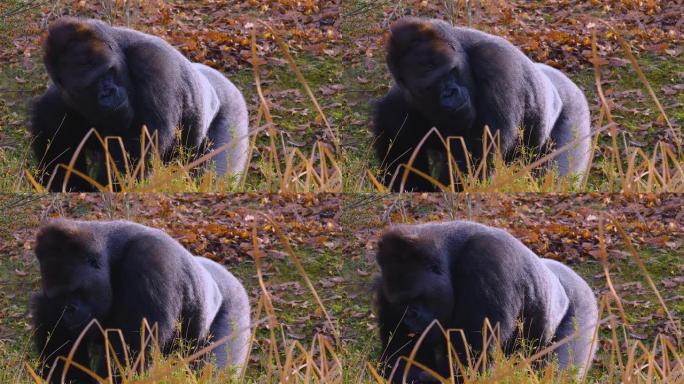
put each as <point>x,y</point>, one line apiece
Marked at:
<point>58,237</point>
<point>396,246</point>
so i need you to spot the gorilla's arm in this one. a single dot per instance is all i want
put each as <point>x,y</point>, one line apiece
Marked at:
<point>500,279</point>
<point>156,73</point>
<point>500,80</point>
<point>53,340</point>
<point>487,283</point>
<point>146,281</point>
<point>398,129</point>
<point>57,131</point>
<point>512,94</point>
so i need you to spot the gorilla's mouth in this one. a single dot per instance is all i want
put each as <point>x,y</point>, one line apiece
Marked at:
<point>77,325</point>
<point>118,107</point>
<point>454,99</point>
<point>461,106</point>
<point>116,117</point>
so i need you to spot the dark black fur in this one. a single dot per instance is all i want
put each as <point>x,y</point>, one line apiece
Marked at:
<point>460,273</point>
<point>120,273</point>
<point>460,80</point>
<point>118,80</point>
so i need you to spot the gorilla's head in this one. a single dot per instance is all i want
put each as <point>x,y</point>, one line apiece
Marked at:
<point>415,277</point>
<point>432,70</point>
<point>90,70</point>
<point>75,273</point>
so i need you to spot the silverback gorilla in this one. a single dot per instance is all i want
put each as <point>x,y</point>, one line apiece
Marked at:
<point>460,80</point>
<point>116,80</point>
<point>460,273</point>
<point>120,273</point>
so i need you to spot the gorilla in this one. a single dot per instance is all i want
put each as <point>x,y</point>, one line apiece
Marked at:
<point>120,273</point>
<point>460,273</point>
<point>460,80</point>
<point>116,80</point>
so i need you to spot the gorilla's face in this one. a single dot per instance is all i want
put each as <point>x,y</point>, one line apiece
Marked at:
<point>74,276</point>
<point>94,80</point>
<point>416,281</point>
<point>101,96</point>
<point>81,297</point>
<point>79,308</point>
<point>104,92</point>
<point>435,76</point>
<point>422,301</point>
<point>440,90</point>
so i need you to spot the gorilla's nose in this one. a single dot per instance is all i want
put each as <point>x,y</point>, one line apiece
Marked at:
<point>449,99</point>
<point>452,98</point>
<point>449,92</point>
<point>110,98</point>
<point>107,93</point>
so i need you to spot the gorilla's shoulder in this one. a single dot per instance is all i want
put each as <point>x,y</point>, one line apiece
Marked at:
<point>154,53</point>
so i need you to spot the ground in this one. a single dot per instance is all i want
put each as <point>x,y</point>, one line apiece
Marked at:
<point>558,33</point>
<point>334,237</point>
<point>218,35</point>
<point>337,45</point>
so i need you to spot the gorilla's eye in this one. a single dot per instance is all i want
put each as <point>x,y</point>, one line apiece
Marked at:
<point>434,268</point>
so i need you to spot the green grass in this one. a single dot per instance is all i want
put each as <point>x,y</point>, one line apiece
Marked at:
<point>345,86</point>
<point>340,264</point>
<point>365,21</point>
<point>18,277</point>
<point>19,81</point>
<point>638,299</point>
<point>293,112</point>
<point>660,72</point>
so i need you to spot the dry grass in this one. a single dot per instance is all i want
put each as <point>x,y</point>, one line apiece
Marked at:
<point>326,359</point>
<point>623,168</point>
<point>279,166</point>
<point>274,165</point>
